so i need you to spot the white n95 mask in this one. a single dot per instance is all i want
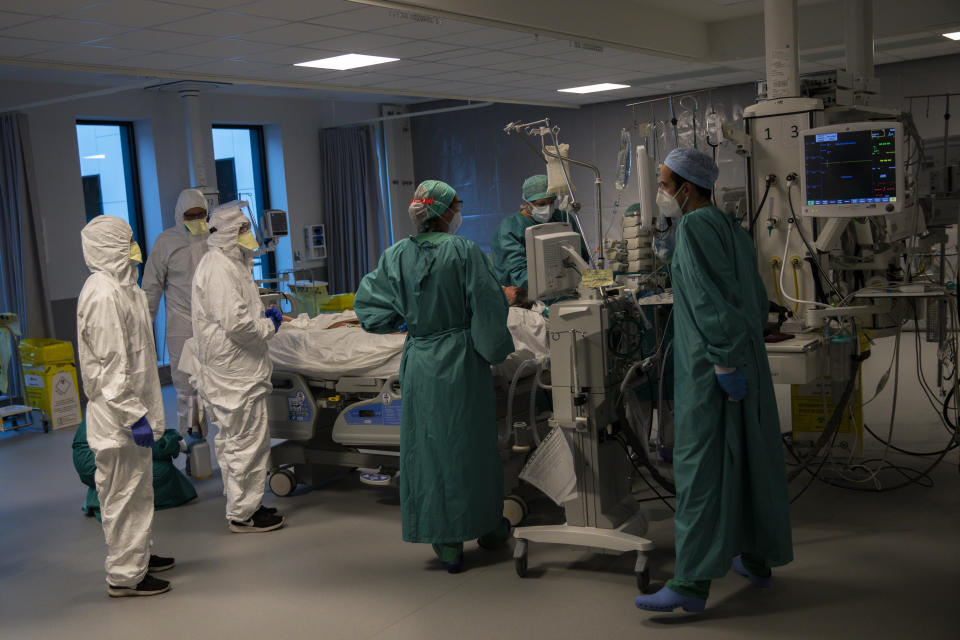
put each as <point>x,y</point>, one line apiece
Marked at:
<point>196,227</point>
<point>668,205</point>
<point>455,223</point>
<point>248,241</point>
<point>542,214</point>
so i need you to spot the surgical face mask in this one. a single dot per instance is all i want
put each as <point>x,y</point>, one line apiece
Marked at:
<point>248,241</point>
<point>454,223</point>
<point>196,227</point>
<point>541,214</point>
<point>135,254</point>
<point>668,205</point>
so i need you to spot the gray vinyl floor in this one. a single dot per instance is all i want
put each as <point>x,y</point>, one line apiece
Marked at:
<point>868,565</point>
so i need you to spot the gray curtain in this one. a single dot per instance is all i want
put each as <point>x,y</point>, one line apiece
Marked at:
<point>23,288</point>
<point>348,185</point>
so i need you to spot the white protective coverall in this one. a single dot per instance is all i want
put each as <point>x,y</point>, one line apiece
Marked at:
<point>118,364</point>
<point>232,368</point>
<point>169,272</point>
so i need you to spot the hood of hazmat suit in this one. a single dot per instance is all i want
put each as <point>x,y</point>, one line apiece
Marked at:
<point>169,273</point>
<point>118,359</point>
<point>118,364</point>
<point>229,328</point>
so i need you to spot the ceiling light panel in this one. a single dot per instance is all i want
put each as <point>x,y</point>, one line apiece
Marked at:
<point>346,62</point>
<point>595,88</point>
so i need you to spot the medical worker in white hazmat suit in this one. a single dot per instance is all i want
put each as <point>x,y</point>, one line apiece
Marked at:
<point>169,272</point>
<point>231,330</point>
<point>118,364</point>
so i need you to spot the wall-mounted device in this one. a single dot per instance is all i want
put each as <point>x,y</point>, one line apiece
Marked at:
<point>314,242</point>
<point>852,170</point>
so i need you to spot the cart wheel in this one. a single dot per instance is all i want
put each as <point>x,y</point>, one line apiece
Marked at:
<point>514,509</point>
<point>282,483</point>
<point>643,581</point>
<point>45,420</point>
<point>520,557</point>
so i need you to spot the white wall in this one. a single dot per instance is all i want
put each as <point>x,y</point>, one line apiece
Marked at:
<point>292,127</point>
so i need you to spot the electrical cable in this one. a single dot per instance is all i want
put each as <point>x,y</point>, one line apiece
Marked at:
<point>753,221</point>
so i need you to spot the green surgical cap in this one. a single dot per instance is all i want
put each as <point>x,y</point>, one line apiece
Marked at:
<point>535,188</point>
<point>430,200</point>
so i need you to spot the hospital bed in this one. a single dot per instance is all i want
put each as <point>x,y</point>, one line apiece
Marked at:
<point>336,398</point>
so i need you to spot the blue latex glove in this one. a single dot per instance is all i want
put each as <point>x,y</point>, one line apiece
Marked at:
<point>274,314</point>
<point>142,433</point>
<point>734,384</point>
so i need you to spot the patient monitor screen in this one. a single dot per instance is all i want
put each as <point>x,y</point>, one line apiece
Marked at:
<point>855,167</point>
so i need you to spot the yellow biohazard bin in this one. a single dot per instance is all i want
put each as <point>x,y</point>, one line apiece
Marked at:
<point>50,380</point>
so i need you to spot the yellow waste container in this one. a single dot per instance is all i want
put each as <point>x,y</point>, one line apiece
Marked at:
<point>338,302</point>
<point>50,380</point>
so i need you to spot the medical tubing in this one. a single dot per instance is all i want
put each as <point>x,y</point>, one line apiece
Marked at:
<point>813,254</point>
<point>641,450</point>
<point>786,251</point>
<point>508,432</point>
<point>540,384</point>
<point>533,410</point>
<point>660,403</point>
<point>796,286</point>
<point>834,422</point>
<point>763,201</point>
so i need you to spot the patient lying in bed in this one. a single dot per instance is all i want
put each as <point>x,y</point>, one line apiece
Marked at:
<point>333,346</point>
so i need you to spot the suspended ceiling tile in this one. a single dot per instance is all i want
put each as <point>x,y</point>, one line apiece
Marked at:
<point>60,30</point>
<point>361,79</point>
<point>209,4</point>
<point>294,10</point>
<point>428,30</point>
<point>365,19</point>
<point>586,56</point>
<point>16,47</point>
<point>232,68</point>
<point>296,33</point>
<point>222,24</point>
<point>530,64</point>
<point>927,51</point>
<point>152,40</point>
<point>450,54</point>
<point>227,48</point>
<point>44,8</point>
<point>289,56</point>
<point>485,57</point>
<point>412,49</point>
<point>574,71</point>
<point>86,54</point>
<point>542,47</point>
<point>8,19</point>
<point>134,13</point>
<point>883,57</point>
<point>488,37</point>
<point>419,69</point>
<point>467,74</point>
<point>361,42</point>
<point>162,61</point>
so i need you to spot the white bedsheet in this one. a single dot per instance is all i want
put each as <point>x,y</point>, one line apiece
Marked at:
<point>308,347</point>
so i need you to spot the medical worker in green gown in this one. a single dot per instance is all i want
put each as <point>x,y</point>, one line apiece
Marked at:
<point>441,286</point>
<point>732,503</point>
<point>509,249</point>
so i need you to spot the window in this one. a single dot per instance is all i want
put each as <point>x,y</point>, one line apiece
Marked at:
<point>242,175</point>
<point>110,182</point>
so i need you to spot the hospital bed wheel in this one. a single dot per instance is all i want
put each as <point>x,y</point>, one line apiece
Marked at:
<point>520,557</point>
<point>282,482</point>
<point>643,581</point>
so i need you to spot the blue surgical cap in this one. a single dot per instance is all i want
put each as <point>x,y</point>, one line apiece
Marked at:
<point>693,166</point>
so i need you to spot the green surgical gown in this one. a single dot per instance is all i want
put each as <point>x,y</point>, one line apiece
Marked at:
<point>441,286</point>
<point>509,248</point>
<point>728,456</point>
<point>170,487</point>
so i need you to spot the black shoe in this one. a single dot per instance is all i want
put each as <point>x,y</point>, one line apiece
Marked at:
<point>268,510</point>
<point>149,586</point>
<point>259,523</point>
<point>159,563</point>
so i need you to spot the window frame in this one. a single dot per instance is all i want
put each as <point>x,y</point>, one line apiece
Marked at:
<point>128,150</point>
<point>258,156</point>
